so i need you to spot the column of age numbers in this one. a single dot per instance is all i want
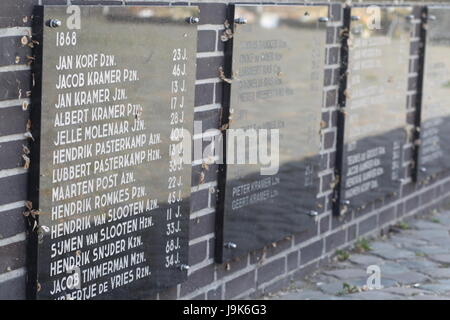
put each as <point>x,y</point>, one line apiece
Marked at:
<point>176,152</point>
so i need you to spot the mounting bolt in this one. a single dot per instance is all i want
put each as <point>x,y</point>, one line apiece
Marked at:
<point>54,23</point>
<point>313,213</point>
<point>355,18</point>
<point>431,17</point>
<point>240,20</point>
<point>345,202</point>
<point>423,169</point>
<point>230,245</point>
<point>184,267</point>
<point>323,19</point>
<point>193,20</point>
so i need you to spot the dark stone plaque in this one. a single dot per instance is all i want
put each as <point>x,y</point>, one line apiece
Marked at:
<point>434,146</point>
<point>373,122</point>
<point>277,67</point>
<point>111,186</point>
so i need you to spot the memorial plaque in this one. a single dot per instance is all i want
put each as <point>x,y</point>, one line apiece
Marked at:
<point>373,122</point>
<point>434,147</point>
<point>277,66</point>
<point>111,189</point>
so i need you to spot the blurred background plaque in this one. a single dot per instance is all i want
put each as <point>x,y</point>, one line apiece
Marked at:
<point>115,90</point>
<point>276,60</point>
<point>373,122</point>
<point>434,147</point>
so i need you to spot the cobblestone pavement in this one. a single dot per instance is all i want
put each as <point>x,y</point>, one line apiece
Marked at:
<point>413,259</point>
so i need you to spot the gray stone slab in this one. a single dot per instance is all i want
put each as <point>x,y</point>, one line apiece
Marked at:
<point>428,297</point>
<point>374,295</point>
<point>410,277</point>
<point>437,273</point>
<point>379,245</point>
<point>442,287</point>
<point>405,291</point>
<point>338,286</point>
<point>344,274</point>
<point>407,240</point>
<point>441,258</point>
<point>307,295</point>
<point>431,234</point>
<point>392,268</point>
<point>394,253</point>
<point>424,225</point>
<point>365,259</point>
<point>418,264</point>
<point>431,250</point>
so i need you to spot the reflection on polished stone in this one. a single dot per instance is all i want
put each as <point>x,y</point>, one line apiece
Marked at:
<point>374,119</point>
<point>434,147</point>
<point>114,199</point>
<point>278,55</point>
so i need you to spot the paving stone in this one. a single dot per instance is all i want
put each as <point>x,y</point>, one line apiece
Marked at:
<point>410,277</point>
<point>404,291</point>
<point>423,224</point>
<point>437,273</point>
<point>441,287</point>
<point>431,234</point>
<point>431,250</point>
<point>394,253</point>
<point>441,258</point>
<point>428,297</point>
<point>392,268</point>
<point>378,245</point>
<point>344,274</point>
<point>418,264</point>
<point>404,240</point>
<point>365,260</point>
<point>338,286</point>
<point>410,263</point>
<point>374,295</point>
<point>307,295</point>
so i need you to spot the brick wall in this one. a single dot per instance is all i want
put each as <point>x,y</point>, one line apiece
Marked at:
<point>261,271</point>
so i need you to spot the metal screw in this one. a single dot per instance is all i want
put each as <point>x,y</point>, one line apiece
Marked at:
<point>240,20</point>
<point>345,202</point>
<point>323,19</point>
<point>423,169</point>
<point>193,20</point>
<point>432,18</point>
<point>230,245</point>
<point>355,18</point>
<point>54,23</point>
<point>313,213</point>
<point>184,267</point>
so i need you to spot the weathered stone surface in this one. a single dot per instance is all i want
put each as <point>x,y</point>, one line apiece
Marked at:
<point>437,273</point>
<point>365,260</point>
<point>431,250</point>
<point>374,295</point>
<point>307,295</point>
<point>423,224</point>
<point>404,291</point>
<point>392,268</point>
<point>418,264</point>
<point>410,277</point>
<point>344,274</point>
<point>413,266</point>
<point>406,241</point>
<point>441,287</point>
<point>441,258</point>
<point>394,253</point>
